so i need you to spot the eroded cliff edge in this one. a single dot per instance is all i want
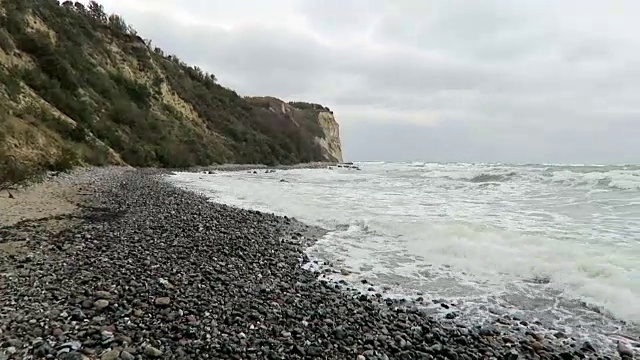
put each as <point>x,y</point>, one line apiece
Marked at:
<point>314,119</point>
<point>81,87</point>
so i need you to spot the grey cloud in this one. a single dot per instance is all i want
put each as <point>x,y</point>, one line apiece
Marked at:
<point>484,80</point>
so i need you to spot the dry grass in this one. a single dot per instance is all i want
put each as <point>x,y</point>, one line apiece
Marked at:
<point>28,142</point>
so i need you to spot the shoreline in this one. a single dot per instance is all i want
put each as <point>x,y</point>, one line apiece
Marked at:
<point>147,269</point>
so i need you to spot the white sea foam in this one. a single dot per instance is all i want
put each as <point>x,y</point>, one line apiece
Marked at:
<point>557,243</point>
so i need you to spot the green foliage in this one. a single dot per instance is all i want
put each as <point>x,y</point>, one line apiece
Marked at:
<point>96,11</point>
<point>117,23</point>
<point>11,83</point>
<point>308,106</point>
<point>76,75</point>
<point>137,92</point>
<point>6,43</point>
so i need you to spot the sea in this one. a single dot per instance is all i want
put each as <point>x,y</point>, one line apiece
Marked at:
<point>558,245</point>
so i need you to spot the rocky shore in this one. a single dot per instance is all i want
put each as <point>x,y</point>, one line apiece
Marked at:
<point>143,270</point>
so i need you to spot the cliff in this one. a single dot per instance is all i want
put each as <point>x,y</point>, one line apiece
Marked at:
<point>314,119</point>
<point>80,87</point>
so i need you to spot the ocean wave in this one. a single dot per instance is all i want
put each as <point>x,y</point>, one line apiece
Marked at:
<point>612,179</point>
<point>483,178</point>
<point>587,177</point>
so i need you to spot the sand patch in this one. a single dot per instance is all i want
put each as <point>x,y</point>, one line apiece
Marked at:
<point>40,201</point>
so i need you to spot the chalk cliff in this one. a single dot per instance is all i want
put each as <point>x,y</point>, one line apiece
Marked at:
<point>331,140</point>
<point>313,120</point>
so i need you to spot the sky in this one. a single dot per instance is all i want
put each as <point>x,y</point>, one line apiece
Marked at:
<point>519,81</point>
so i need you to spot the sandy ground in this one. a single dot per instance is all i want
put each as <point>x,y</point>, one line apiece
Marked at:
<point>41,207</point>
<point>37,202</point>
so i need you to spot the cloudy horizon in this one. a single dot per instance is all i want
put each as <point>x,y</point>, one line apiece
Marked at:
<point>450,80</point>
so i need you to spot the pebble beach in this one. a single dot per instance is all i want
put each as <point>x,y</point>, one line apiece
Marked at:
<point>136,268</point>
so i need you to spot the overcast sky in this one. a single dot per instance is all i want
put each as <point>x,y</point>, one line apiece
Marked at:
<point>449,80</point>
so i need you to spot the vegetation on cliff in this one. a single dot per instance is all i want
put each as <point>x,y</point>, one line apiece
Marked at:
<point>79,86</point>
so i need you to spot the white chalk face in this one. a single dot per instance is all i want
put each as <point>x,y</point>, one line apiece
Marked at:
<point>522,81</point>
<point>554,243</point>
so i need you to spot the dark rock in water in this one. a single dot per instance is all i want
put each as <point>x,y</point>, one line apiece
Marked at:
<point>586,346</point>
<point>624,350</point>
<point>488,330</point>
<point>450,315</point>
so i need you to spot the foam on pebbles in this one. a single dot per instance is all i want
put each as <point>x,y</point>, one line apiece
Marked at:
<point>153,271</point>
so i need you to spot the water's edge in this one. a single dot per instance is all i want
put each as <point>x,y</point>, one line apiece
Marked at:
<point>441,309</point>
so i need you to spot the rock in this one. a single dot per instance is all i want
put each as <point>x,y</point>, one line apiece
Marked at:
<point>73,355</point>
<point>103,294</point>
<point>537,346</point>
<point>125,355</point>
<point>586,346</point>
<point>110,355</point>
<point>560,335</point>
<point>101,304</point>
<point>150,351</point>
<point>43,350</point>
<point>57,332</point>
<point>163,301</point>
<point>78,314</point>
<point>339,333</point>
<point>489,330</point>
<point>124,340</point>
<point>624,350</point>
<point>72,345</point>
<point>450,315</point>
<point>16,343</point>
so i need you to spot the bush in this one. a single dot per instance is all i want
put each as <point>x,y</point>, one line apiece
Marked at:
<point>65,161</point>
<point>13,171</point>
<point>6,43</point>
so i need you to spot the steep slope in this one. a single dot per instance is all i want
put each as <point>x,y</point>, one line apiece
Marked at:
<point>78,86</point>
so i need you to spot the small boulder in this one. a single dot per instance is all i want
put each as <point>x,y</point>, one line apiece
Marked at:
<point>101,304</point>
<point>163,301</point>
<point>103,294</point>
<point>125,355</point>
<point>150,351</point>
<point>110,355</point>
